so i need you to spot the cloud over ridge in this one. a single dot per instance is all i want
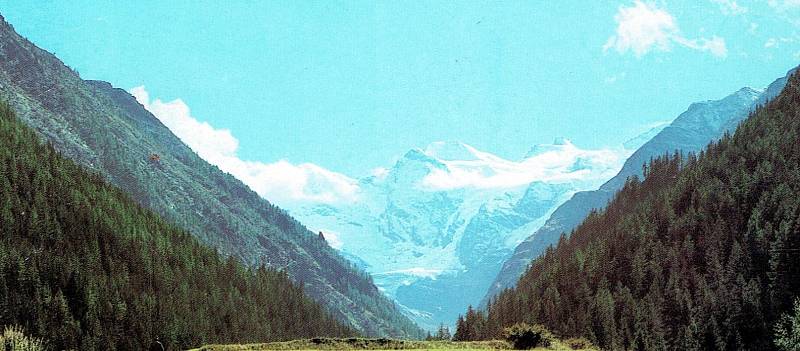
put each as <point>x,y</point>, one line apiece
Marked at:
<point>559,162</point>
<point>463,166</point>
<point>281,182</point>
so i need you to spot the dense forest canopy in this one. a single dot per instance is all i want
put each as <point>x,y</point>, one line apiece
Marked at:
<point>703,254</point>
<point>105,130</point>
<point>87,268</point>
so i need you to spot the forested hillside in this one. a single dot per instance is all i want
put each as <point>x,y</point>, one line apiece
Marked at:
<point>85,267</point>
<point>702,123</point>
<point>703,254</point>
<point>105,130</point>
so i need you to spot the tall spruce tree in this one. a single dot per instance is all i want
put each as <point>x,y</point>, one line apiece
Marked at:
<point>703,254</point>
<point>85,267</point>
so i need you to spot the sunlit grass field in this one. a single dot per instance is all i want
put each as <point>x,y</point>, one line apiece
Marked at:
<point>375,344</point>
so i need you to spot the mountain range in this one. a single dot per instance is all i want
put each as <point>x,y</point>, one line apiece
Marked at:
<point>86,268</point>
<point>434,228</point>
<point>700,253</point>
<point>701,124</point>
<point>448,226</point>
<point>107,131</point>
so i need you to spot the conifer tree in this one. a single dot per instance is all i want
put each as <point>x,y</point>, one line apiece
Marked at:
<point>702,254</point>
<point>84,267</point>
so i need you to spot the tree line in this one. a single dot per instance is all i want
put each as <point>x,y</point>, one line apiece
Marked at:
<point>702,254</point>
<point>85,267</point>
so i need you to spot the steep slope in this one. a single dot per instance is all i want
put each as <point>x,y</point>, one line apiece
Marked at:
<point>85,267</point>
<point>701,124</point>
<point>701,255</point>
<point>434,228</point>
<point>107,131</point>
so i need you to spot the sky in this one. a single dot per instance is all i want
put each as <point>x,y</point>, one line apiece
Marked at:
<point>291,90</point>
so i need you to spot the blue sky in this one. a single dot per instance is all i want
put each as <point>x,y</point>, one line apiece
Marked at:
<point>350,86</point>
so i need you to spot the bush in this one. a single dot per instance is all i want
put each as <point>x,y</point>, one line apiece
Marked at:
<point>524,336</point>
<point>14,339</point>
<point>787,330</point>
<point>579,344</point>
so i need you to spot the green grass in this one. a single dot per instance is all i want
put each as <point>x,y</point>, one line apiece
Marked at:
<point>373,344</point>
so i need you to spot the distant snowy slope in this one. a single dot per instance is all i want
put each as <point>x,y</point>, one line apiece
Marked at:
<point>434,228</point>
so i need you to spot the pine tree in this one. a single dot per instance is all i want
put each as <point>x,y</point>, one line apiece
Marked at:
<point>85,267</point>
<point>700,254</point>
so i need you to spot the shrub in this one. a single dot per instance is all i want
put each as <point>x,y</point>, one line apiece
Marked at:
<point>787,330</point>
<point>14,339</point>
<point>524,336</point>
<point>579,344</point>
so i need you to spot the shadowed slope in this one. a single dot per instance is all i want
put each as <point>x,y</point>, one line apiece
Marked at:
<point>106,130</point>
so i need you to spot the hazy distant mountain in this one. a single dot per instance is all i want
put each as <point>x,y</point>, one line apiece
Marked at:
<point>641,139</point>
<point>434,229</point>
<point>107,131</point>
<point>702,123</point>
<point>700,254</point>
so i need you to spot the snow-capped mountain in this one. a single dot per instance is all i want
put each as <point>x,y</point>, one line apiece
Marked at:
<point>435,228</point>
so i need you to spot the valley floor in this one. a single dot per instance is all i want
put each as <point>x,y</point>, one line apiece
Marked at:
<point>372,344</point>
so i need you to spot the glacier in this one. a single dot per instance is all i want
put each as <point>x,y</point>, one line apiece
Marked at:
<point>434,229</point>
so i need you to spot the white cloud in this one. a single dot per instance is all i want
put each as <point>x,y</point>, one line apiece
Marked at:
<point>281,182</point>
<point>730,7</point>
<point>777,42</point>
<point>333,239</point>
<point>208,142</point>
<point>642,28</point>
<point>558,163</point>
<point>715,45</point>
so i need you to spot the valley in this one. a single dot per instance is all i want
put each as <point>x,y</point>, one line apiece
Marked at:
<point>380,176</point>
<point>435,248</point>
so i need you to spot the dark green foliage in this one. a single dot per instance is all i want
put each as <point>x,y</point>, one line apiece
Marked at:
<point>107,131</point>
<point>525,337</point>
<point>704,254</point>
<point>787,330</point>
<point>442,333</point>
<point>85,267</point>
<point>470,327</point>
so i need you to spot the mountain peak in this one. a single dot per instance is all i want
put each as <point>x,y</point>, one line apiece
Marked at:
<point>559,143</point>
<point>749,90</point>
<point>418,161</point>
<point>451,151</point>
<point>747,93</point>
<point>416,154</point>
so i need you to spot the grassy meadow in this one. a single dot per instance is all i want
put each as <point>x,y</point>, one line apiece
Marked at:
<point>376,344</point>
